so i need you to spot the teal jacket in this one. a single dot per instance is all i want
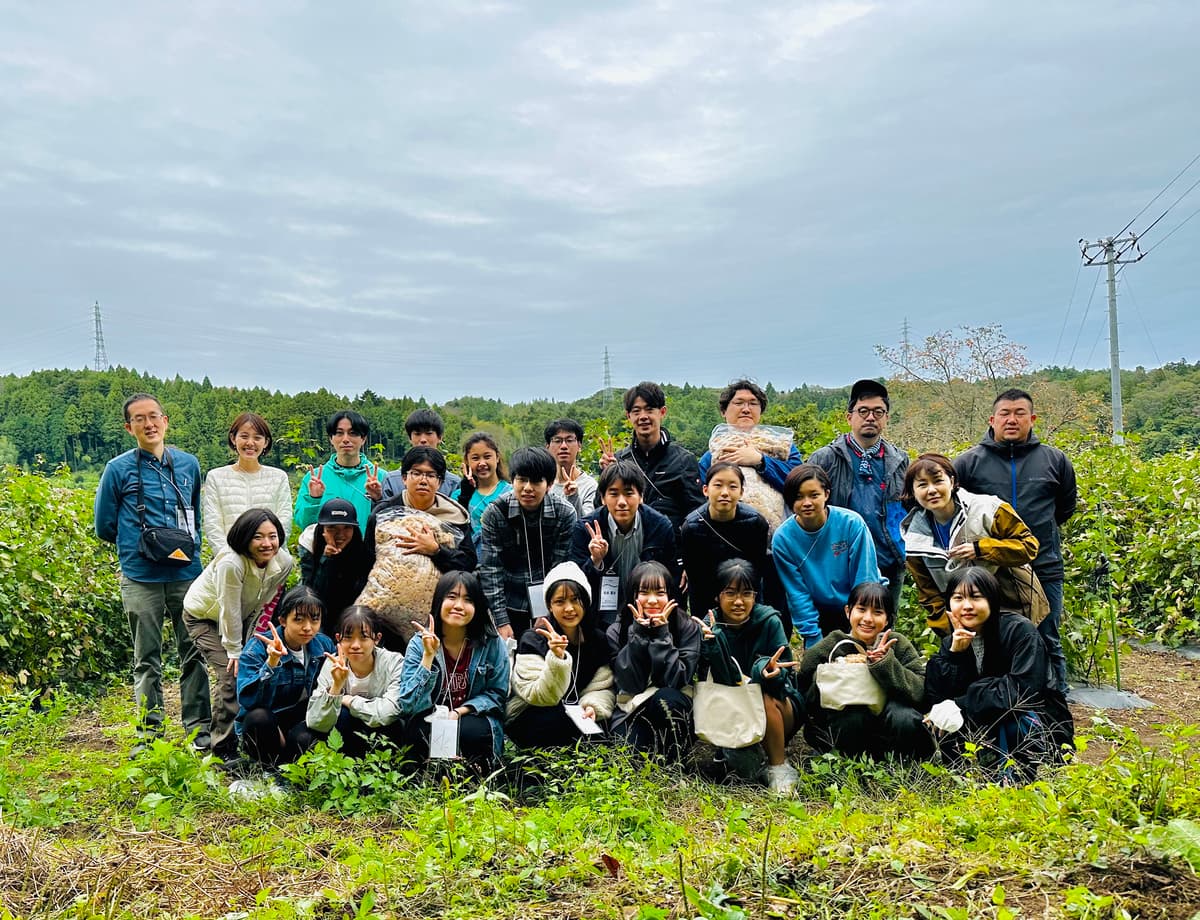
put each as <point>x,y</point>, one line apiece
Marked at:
<point>348,482</point>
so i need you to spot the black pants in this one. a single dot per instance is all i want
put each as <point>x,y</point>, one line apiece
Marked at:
<point>544,727</point>
<point>661,726</point>
<point>476,743</point>
<point>898,730</point>
<point>260,734</point>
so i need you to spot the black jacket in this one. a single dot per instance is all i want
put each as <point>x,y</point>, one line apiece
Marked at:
<point>658,545</point>
<point>1016,677</point>
<point>1036,479</point>
<point>672,477</point>
<point>705,544</point>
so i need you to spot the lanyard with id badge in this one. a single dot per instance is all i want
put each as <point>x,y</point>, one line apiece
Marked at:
<point>443,727</point>
<point>536,590</point>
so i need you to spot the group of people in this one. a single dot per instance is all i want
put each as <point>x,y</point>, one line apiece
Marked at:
<point>535,602</point>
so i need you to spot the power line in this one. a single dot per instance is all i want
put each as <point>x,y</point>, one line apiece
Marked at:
<point>1067,316</point>
<point>1172,232</point>
<point>1159,195</point>
<point>1086,310</point>
<point>1142,317</point>
<point>1168,210</point>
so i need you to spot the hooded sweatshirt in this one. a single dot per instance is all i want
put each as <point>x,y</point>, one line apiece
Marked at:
<point>348,482</point>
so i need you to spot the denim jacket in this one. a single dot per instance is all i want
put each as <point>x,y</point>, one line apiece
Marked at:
<point>260,686</point>
<point>487,683</point>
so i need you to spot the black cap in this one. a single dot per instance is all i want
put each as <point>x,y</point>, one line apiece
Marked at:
<point>868,387</point>
<point>337,511</point>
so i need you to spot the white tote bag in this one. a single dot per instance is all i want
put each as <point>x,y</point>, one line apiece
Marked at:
<point>729,717</point>
<point>848,683</point>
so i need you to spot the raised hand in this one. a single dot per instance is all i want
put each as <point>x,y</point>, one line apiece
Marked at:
<point>339,671</point>
<point>316,488</point>
<point>883,645</point>
<point>274,644</point>
<point>597,545</point>
<point>557,642</point>
<point>570,484</point>
<point>429,641</point>
<point>608,452</point>
<point>374,486</point>
<point>774,667</point>
<point>706,626</point>
<point>961,637</point>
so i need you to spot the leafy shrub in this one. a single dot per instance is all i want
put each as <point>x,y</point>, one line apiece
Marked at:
<point>60,599</point>
<point>1139,522</point>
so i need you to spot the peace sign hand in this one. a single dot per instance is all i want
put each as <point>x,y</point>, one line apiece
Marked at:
<point>597,545</point>
<point>316,488</point>
<point>374,486</point>
<point>652,619</point>
<point>608,453</point>
<point>557,642</point>
<point>338,672</point>
<point>883,645</point>
<point>274,644</point>
<point>570,484</point>
<point>775,667</point>
<point>706,626</point>
<point>429,641</point>
<point>961,637</point>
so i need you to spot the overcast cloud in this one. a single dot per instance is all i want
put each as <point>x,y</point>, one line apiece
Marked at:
<point>469,197</point>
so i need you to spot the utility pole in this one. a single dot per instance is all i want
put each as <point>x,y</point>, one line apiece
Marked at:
<point>1105,252</point>
<point>100,362</point>
<point>607,379</point>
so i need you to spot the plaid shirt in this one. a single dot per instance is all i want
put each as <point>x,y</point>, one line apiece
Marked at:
<point>507,564</point>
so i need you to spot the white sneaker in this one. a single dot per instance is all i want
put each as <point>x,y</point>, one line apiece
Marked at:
<point>782,778</point>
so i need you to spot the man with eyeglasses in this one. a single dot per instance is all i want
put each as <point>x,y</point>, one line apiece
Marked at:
<point>424,428</point>
<point>564,439</point>
<point>867,476</point>
<point>147,504</point>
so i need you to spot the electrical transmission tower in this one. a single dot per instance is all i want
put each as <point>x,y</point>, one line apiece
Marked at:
<point>101,360</point>
<point>1104,252</point>
<point>905,346</point>
<point>607,379</point>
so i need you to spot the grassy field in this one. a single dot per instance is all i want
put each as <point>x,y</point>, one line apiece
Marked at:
<point>88,833</point>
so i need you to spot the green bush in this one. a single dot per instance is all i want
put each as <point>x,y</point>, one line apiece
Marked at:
<point>1143,517</point>
<point>60,599</point>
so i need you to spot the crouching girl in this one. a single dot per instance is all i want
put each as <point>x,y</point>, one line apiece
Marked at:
<point>224,603</point>
<point>276,676</point>
<point>895,665</point>
<point>995,667</point>
<point>741,637</point>
<point>562,685</point>
<point>456,668</point>
<point>358,689</point>
<point>655,649</point>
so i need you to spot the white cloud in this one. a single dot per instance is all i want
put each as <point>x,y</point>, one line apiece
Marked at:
<point>178,252</point>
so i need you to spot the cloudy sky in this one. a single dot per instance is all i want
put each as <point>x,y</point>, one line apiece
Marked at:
<point>478,196</point>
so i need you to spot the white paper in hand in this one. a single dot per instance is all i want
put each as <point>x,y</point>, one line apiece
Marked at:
<point>946,715</point>
<point>585,725</point>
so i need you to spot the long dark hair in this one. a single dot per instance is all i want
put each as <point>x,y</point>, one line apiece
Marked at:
<point>978,580</point>
<point>873,595</point>
<point>481,628</point>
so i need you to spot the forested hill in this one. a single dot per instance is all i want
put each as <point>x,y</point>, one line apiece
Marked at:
<point>74,416</point>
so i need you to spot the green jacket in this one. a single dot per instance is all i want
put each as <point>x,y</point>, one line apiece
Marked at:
<point>751,645</point>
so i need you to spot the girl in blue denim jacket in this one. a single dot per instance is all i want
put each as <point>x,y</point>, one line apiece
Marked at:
<point>276,676</point>
<point>456,667</point>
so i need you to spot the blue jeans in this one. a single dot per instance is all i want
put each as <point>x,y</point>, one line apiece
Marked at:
<point>1049,629</point>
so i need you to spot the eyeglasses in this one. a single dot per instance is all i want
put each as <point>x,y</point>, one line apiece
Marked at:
<point>743,403</point>
<point>733,594</point>
<point>559,442</point>
<point>153,417</point>
<point>864,412</point>
<point>423,474</point>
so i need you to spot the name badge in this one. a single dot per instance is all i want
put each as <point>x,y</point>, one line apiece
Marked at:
<point>610,586</point>
<point>537,602</point>
<point>585,725</point>
<point>185,519</point>
<point>443,738</point>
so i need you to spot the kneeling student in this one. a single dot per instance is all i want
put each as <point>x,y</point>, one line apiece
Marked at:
<point>358,689</point>
<point>562,685</point>
<point>741,637</point>
<point>276,675</point>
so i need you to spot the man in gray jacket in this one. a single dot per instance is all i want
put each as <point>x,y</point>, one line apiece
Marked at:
<point>867,474</point>
<point>1039,482</point>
